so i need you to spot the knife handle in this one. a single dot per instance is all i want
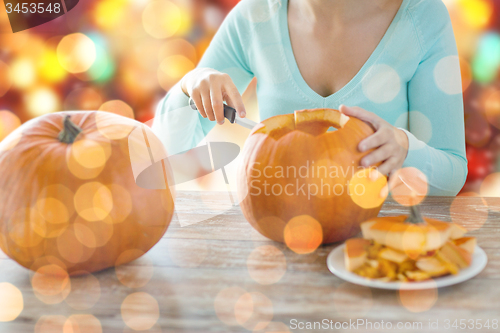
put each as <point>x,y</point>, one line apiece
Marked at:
<point>229,112</point>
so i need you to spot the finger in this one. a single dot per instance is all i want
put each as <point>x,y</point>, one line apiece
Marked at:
<point>379,155</point>
<point>234,99</point>
<point>217,105</point>
<point>392,173</point>
<point>199,104</point>
<point>357,112</point>
<point>388,165</point>
<point>375,140</point>
<point>207,104</point>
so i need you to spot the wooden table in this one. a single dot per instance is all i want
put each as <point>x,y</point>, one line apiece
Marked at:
<point>201,278</point>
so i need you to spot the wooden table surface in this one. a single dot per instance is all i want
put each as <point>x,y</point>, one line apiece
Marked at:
<point>220,275</point>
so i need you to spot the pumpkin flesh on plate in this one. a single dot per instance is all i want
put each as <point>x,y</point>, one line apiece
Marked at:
<point>402,251</point>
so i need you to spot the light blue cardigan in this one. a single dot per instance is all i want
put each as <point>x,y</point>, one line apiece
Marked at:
<point>412,80</point>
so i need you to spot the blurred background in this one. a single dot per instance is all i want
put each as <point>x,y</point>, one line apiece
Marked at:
<point>123,55</point>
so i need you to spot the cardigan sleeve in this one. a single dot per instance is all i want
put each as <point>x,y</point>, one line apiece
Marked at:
<point>178,126</point>
<point>436,112</point>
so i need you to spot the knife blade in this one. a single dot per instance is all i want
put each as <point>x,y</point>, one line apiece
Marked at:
<point>231,115</point>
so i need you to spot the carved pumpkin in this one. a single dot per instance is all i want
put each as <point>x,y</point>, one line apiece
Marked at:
<point>68,196</point>
<point>302,184</point>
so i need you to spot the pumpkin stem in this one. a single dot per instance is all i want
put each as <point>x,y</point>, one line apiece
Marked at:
<point>70,131</point>
<point>415,215</point>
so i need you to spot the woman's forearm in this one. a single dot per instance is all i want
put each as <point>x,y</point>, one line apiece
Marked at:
<point>445,171</point>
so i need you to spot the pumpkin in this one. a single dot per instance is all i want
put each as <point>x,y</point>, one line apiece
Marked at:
<point>413,234</point>
<point>68,196</point>
<point>301,184</point>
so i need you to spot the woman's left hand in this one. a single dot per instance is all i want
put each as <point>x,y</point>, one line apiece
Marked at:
<point>389,142</point>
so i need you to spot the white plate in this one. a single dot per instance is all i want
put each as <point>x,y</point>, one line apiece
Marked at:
<point>335,262</point>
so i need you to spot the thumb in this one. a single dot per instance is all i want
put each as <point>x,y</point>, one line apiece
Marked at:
<point>354,111</point>
<point>361,114</point>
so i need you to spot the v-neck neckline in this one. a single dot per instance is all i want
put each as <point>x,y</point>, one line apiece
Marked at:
<point>339,94</point>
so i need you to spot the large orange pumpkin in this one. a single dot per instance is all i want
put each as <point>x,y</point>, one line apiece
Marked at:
<point>68,196</point>
<point>302,184</point>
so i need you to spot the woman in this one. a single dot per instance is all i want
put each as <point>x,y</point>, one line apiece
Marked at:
<point>393,61</point>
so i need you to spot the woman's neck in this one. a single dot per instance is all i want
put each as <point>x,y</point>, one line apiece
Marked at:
<point>338,11</point>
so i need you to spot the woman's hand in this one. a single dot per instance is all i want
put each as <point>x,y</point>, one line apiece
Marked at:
<point>389,142</point>
<point>209,89</point>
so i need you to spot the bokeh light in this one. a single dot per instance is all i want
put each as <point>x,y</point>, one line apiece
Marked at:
<point>41,100</point>
<point>162,19</point>
<point>101,232</point>
<point>93,201</point>
<point>122,195</point>
<point>486,62</point>
<point>118,107</point>
<point>140,311</point>
<point>382,84</point>
<point>19,220</point>
<point>172,69</point>
<point>11,302</point>
<point>9,121</point>
<point>490,186</point>
<point>266,264</point>
<point>447,75</point>
<point>23,73</point>
<point>408,186</point>
<point>366,188</point>
<point>88,153</point>
<point>253,311</point>
<point>51,284</point>
<point>79,323</point>
<point>47,223</point>
<point>103,67</point>
<point>85,291</point>
<point>134,274</point>
<point>418,300</point>
<point>81,167</point>
<point>113,128</point>
<point>303,234</point>
<point>76,53</point>
<point>224,304</point>
<point>110,14</point>
<point>50,206</point>
<point>84,235</point>
<point>177,46</point>
<point>50,323</point>
<point>213,16</point>
<point>50,69</point>
<point>71,247</point>
<point>476,13</point>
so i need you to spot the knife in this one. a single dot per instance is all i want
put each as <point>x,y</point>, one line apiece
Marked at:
<point>231,115</point>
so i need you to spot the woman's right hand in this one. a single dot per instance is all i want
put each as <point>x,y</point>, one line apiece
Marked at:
<point>209,89</point>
